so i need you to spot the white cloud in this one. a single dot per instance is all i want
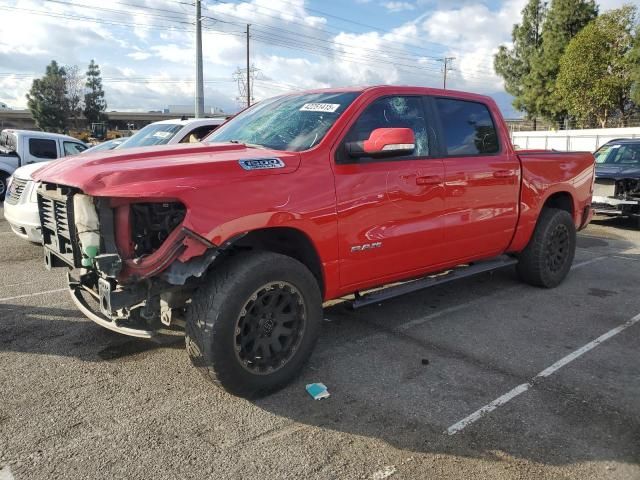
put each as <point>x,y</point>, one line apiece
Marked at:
<point>395,6</point>
<point>295,48</point>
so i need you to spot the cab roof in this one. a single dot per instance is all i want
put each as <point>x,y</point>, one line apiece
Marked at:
<point>38,134</point>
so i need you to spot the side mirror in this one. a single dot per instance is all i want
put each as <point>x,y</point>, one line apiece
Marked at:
<point>384,142</point>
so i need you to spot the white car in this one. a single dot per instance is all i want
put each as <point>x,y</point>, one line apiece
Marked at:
<point>169,132</point>
<point>21,202</point>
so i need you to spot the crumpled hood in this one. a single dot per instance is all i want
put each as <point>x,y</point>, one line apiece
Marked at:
<point>149,171</point>
<point>617,171</point>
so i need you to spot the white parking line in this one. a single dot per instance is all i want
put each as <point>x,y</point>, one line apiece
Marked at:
<point>475,416</point>
<point>33,294</point>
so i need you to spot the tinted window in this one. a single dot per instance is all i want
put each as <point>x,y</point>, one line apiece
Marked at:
<point>468,127</point>
<point>393,112</point>
<point>41,148</point>
<point>73,148</point>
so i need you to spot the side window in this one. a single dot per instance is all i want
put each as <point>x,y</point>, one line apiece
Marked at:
<point>393,112</point>
<point>468,128</point>
<point>198,134</point>
<point>42,148</point>
<point>627,154</point>
<point>73,148</point>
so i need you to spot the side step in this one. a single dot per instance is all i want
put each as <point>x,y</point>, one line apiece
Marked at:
<point>456,273</point>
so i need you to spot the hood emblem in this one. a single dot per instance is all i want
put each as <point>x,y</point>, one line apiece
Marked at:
<point>261,163</point>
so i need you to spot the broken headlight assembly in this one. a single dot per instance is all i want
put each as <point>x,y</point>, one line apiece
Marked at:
<point>152,223</point>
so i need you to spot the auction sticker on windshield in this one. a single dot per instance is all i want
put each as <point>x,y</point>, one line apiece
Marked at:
<point>161,134</point>
<point>320,107</point>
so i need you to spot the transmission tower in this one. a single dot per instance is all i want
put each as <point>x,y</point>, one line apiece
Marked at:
<point>240,76</point>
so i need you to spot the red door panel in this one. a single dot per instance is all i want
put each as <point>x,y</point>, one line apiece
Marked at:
<point>389,222</point>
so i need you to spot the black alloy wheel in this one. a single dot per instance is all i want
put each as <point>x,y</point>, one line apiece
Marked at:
<point>269,328</point>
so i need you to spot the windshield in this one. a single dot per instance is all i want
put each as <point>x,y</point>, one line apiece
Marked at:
<point>619,154</point>
<point>154,134</point>
<point>8,142</point>
<point>292,122</point>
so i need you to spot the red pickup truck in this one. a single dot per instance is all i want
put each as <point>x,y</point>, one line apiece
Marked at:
<point>300,199</point>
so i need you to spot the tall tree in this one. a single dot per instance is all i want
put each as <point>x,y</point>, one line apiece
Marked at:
<point>75,91</point>
<point>564,20</point>
<point>94,102</point>
<point>634,57</point>
<point>514,64</point>
<point>594,80</point>
<point>47,99</point>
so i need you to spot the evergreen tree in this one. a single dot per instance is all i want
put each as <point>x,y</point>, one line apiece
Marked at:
<point>94,103</point>
<point>564,20</point>
<point>514,64</point>
<point>594,80</point>
<point>47,99</point>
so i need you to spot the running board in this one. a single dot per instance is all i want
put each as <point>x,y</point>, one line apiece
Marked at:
<point>455,273</point>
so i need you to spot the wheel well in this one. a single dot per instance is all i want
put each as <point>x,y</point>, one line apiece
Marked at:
<point>560,200</point>
<point>286,241</point>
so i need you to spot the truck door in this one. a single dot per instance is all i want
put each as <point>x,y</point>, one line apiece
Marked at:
<point>389,208</point>
<point>39,150</point>
<point>482,180</point>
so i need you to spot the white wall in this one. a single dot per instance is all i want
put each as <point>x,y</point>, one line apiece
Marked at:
<point>571,140</point>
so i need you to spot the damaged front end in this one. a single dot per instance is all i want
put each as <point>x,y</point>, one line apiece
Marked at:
<point>617,196</point>
<point>133,264</point>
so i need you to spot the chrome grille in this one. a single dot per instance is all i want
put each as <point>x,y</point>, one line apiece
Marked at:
<point>15,191</point>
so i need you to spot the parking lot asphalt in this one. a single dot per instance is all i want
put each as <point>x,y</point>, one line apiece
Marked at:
<point>78,401</point>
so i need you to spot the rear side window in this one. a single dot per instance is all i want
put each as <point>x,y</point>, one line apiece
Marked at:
<point>41,148</point>
<point>467,127</point>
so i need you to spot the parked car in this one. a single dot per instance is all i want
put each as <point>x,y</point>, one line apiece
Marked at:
<point>24,147</point>
<point>21,208</point>
<point>301,199</point>
<point>170,132</point>
<point>617,187</point>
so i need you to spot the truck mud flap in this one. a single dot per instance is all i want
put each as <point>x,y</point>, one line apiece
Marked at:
<point>456,273</point>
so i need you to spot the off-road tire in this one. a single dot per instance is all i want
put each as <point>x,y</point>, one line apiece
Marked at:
<point>212,322</point>
<point>3,185</point>
<point>547,259</point>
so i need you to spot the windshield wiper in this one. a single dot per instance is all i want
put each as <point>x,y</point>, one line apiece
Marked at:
<point>250,145</point>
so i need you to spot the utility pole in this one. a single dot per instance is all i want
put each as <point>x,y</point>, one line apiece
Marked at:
<point>199,110</point>
<point>447,66</point>
<point>248,70</point>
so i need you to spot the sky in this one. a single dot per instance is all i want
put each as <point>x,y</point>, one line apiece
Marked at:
<point>145,48</point>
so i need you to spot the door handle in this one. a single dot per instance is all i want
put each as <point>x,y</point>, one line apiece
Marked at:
<point>503,173</point>
<point>429,180</point>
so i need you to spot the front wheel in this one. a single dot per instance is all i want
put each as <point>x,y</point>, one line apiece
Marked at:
<point>255,322</point>
<point>547,259</point>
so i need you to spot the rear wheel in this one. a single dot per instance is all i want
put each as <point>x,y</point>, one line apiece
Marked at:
<point>546,261</point>
<point>252,327</point>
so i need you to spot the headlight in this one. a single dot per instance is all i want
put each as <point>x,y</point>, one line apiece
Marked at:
<point>9,180</point>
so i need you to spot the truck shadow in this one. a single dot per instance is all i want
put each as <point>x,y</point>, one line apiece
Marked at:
<point>62,331</point>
